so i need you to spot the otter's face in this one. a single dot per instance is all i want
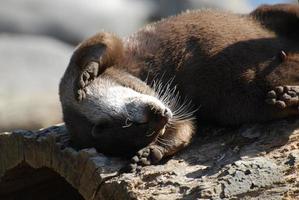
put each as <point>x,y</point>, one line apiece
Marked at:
<point>118,103</point>
<point>122,111</point>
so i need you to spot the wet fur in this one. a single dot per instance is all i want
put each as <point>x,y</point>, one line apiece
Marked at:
<point>226,67</point>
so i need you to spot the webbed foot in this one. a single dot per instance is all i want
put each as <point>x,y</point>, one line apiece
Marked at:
<point>283,96</point>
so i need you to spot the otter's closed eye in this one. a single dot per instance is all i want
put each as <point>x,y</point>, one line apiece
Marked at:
<point>128,123</point>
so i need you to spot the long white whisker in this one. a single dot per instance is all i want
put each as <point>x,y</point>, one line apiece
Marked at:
<point>146,79</point>
<point>182,108</point>
<point>163,142</point>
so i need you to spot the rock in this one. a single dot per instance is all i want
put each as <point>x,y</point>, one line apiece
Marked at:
<point>219,164</point>
<point>31,68</point>
<point>72,21</point>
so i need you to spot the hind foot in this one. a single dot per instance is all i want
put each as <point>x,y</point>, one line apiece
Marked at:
<point>283,96</point>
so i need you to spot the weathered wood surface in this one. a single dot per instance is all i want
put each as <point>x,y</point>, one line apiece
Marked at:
<point>84,169</point>
<point>250,162</point>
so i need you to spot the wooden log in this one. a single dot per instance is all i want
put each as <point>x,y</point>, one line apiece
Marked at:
<point>259,161</point>
<point>49,153</point>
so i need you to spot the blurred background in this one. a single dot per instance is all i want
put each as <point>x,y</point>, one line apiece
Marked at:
<point>37,38</point>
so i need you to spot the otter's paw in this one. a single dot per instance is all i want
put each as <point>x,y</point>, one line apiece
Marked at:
<point>87,75</point>
<point>283,96</point>
<point>148,155</point>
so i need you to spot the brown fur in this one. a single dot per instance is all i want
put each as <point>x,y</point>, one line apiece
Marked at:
<point>226,63</point>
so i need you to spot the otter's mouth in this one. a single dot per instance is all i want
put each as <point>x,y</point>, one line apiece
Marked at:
<point>155,127</point>
<point>119,141</point>
<point>129,136</point>
<point>152,121</point>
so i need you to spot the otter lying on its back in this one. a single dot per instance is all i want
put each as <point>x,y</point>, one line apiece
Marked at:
<point>235,69</point>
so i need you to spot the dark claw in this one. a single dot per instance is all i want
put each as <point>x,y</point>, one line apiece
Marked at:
<point>82,83</point>
<point>286,97</point>
<point>85,76</point>
<point>139,153</point>
<point>271,94</point>
<point>145,154</point>
<point>93,68</point>
<point>81,94</point>
<point>287,88</point>
<point>279,89</point>
<point>84,79</point>
<point>132,167</point>
<point>292,93</point>
<point>144,162</point>
<point>90,71</point>
<point>270,101</point>
<point>280,104</point>
<point>135,159</point>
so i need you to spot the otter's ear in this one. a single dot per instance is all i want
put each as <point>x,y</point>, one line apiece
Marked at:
<point>282,56</point>
<point>92,57</point>
<point>280,18</point>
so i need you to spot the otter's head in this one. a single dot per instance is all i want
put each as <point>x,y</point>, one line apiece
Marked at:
<point>117,102</point>
<point>126,113</point>
<point>123,112</point>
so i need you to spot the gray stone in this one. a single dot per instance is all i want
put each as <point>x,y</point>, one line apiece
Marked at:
<point>31,68</point>
<point>72,21</point>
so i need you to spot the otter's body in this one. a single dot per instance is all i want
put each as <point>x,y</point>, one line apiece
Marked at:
<point>235,68</point>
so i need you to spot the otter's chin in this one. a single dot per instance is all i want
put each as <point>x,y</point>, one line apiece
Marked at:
<point>125,141</point>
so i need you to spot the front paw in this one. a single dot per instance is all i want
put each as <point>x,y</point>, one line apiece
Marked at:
<point>148,155</point>
<point>87,75</point>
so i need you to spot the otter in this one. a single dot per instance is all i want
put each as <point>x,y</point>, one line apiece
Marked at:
<point>147,93</point>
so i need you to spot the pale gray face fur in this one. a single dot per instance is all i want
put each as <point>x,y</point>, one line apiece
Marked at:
<point>107,101</point>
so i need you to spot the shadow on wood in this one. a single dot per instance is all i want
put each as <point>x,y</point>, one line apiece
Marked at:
<point>254,161</point>
<point>25,183</point>
<point>33,161</point>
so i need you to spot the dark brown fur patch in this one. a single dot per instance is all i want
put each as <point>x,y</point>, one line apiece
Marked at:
<point>281,18</point>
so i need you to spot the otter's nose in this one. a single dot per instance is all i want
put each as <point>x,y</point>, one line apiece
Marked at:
<point>160,117</point>
<point>166,114</point>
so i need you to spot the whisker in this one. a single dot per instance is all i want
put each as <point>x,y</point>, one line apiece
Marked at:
<point>182,108</point>
<point>146,79</point>
<point>163,142</point>
<point>162,139</point>
<point>154,78</point>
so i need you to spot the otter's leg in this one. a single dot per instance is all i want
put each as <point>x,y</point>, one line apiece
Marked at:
<point>174,139</point>
<point>284,97</point>
<point>92,57</point>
